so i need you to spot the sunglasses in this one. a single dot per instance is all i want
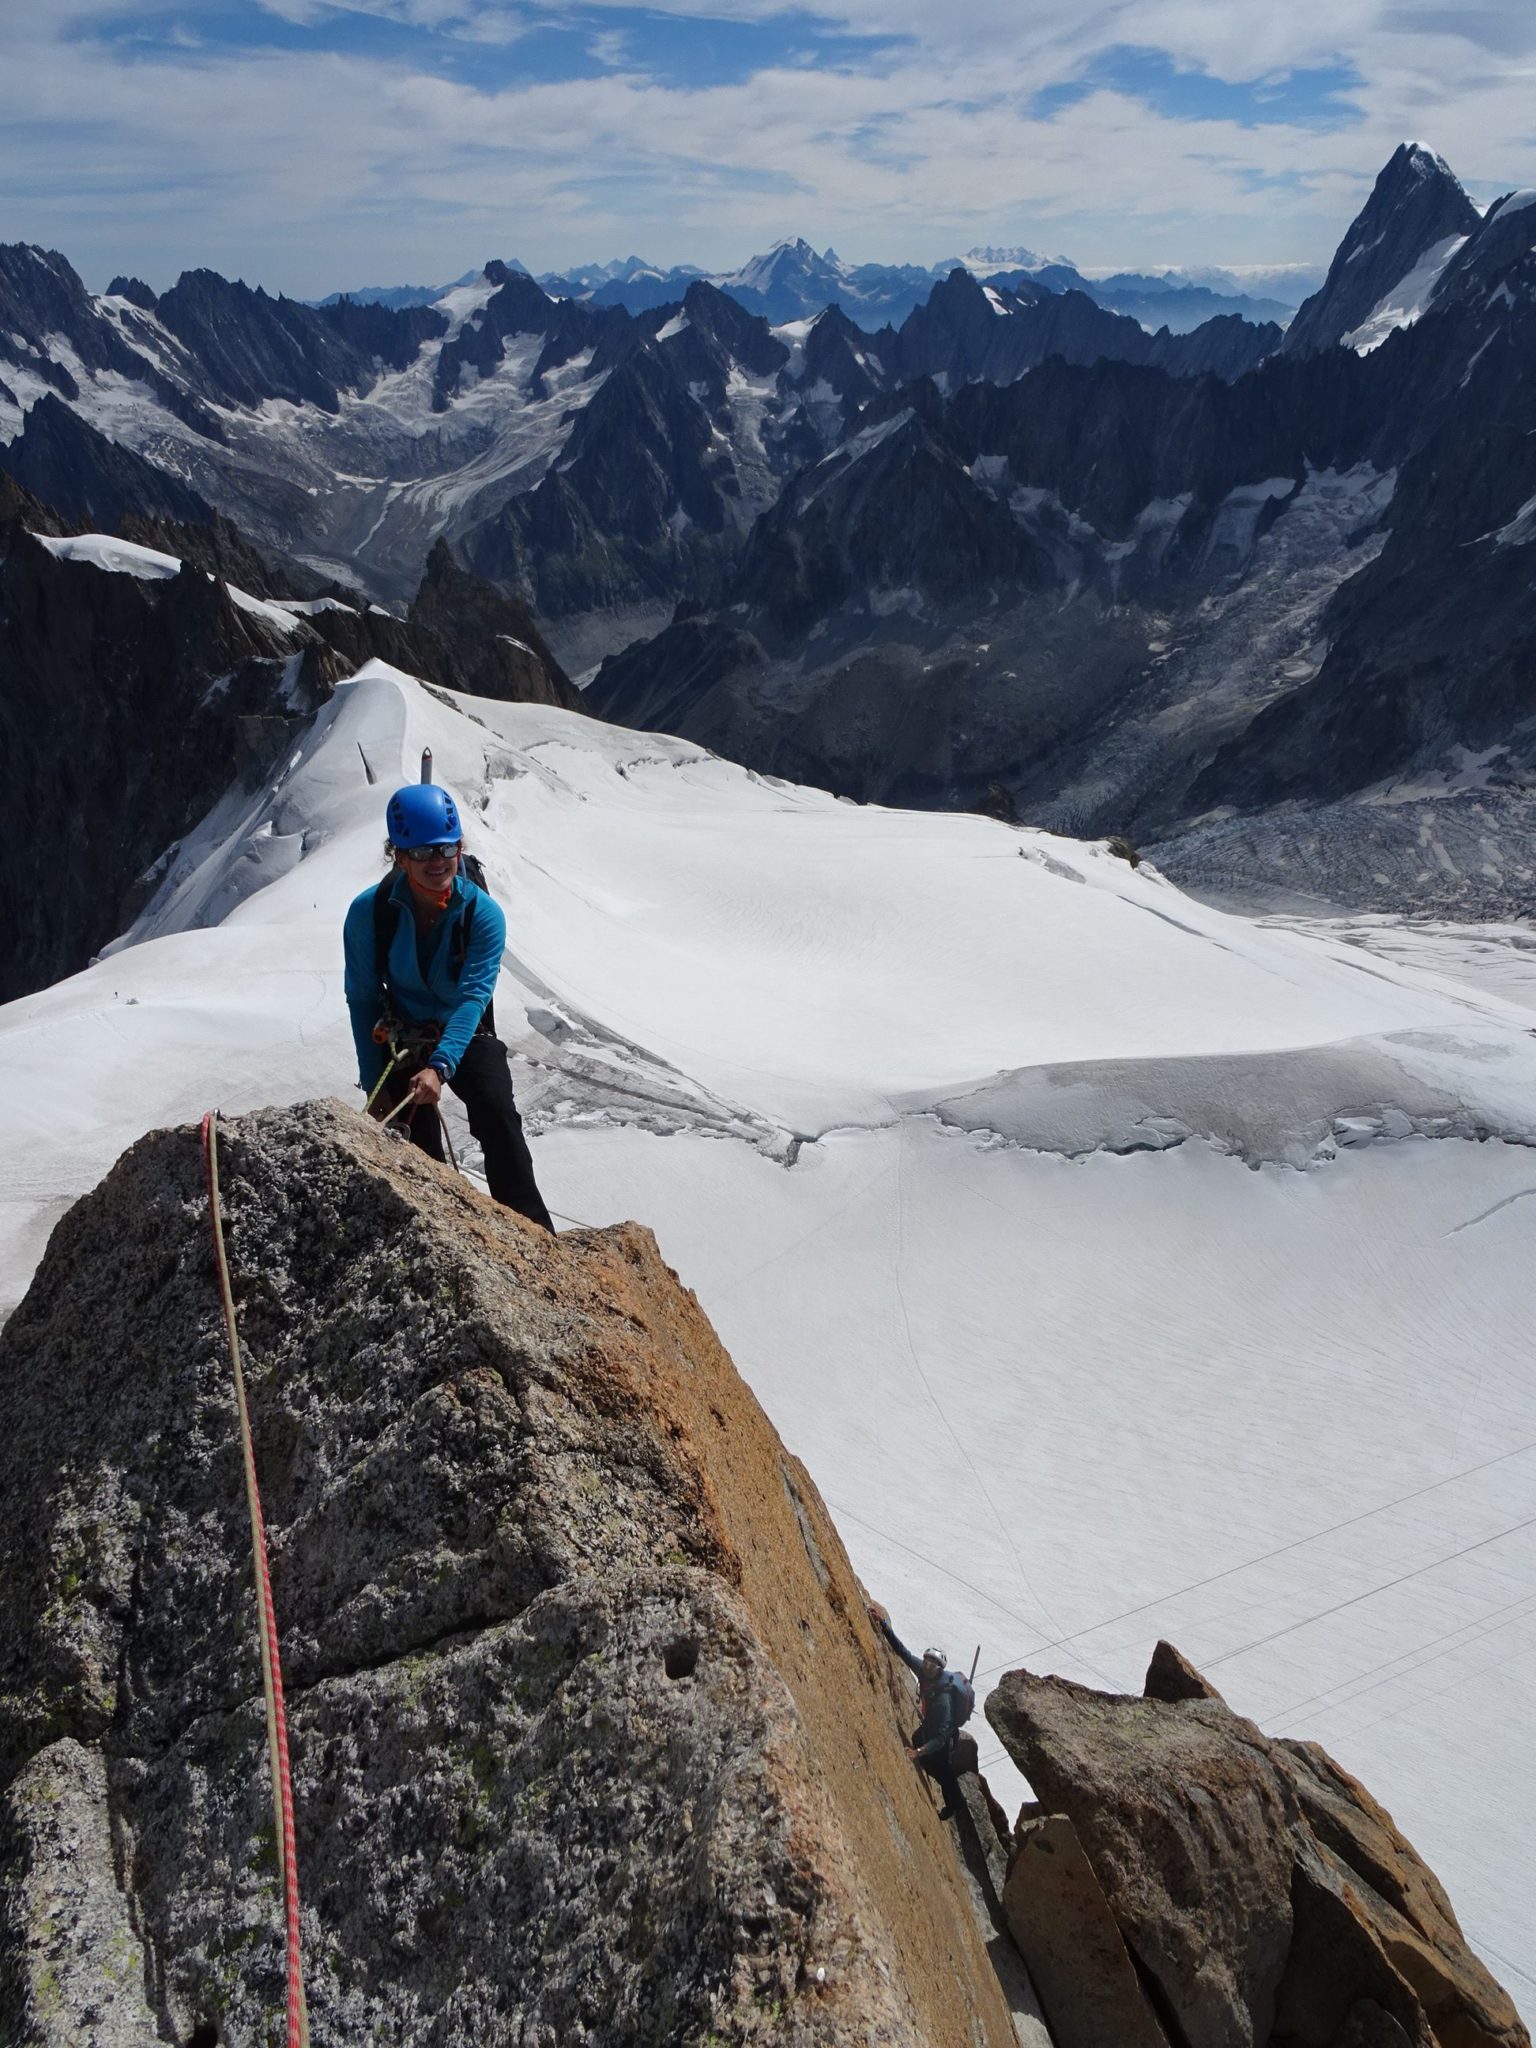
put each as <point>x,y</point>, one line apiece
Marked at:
<point>446,849</point>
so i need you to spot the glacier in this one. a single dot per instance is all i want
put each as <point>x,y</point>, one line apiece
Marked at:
<point>1244,1362</point>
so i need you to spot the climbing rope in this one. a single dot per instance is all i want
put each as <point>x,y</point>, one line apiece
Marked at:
<point>271,1666</point>
<point>384,1034</point>
<point>398,1056</point>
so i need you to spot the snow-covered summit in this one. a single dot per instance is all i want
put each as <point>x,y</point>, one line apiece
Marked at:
<point>791,255</point>
<point>988,258</point>
<point>1424,161</point>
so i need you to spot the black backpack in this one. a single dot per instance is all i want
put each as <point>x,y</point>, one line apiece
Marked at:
<point>386,922</point>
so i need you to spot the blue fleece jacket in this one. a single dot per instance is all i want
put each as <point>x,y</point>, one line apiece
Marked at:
<point>422,986</point>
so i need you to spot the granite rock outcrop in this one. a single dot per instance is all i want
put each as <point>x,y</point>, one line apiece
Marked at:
<point>1265,1898</point>
<point>593,1741</point>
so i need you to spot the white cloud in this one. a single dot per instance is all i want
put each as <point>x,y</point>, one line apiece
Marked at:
<point>308,169</point>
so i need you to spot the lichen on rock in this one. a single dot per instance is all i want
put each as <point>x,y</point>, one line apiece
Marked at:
<point>592,1740</point>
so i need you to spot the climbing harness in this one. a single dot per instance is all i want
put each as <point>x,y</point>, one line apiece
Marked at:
<point>404,1043</point>
<point>271,1666</point>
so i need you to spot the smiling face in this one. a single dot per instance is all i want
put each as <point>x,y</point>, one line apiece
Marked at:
<point>431,868</point>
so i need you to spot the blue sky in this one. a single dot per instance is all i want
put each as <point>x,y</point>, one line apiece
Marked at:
<point>310,144</point>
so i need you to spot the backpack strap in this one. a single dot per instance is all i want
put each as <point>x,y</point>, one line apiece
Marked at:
<point>473,871</point>
<point>386,921</point>
<point>458,943</point>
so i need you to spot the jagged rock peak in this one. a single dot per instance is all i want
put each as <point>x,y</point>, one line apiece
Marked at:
<point>488,643</point>
<point>592,1738</point>
<point>1416,205</point>
<point>1171,1677</point>
<point>1262,1892</point>
<point>135,291</point>
<point>526,290</point>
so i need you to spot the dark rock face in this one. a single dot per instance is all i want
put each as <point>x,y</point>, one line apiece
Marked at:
<point>716,337</point>
<point>846,359</point>
<point>635,510</point>
<point>1137,504</point>
<point>1171,1678</point>
<point>131,704</point>
<point>1036,581</point>
<point>93,482</point>
<point>647,502</point>
<point>114,740</point>
<point>384,336</point>
<point>970,332</point>
<point>641,500</point>
<point>1110,438</point>
<point>644,504</point>
<point>41,296</point>
<point>1432,647</point>
<point>1263,1894</point>
<point>219,547</point>
<point>236,346</point>
<point>519,306</point>
<point>20,510</point>
<point>661,683</point>
<point>592,1741</point>
<point>1495,266</point>
<point>135,291</point>
<point>485,643</point>
<point>901,514</point>
<point>1225,345</point>
<point>248,347</point>
<point>1416,202</point>
<point>969,561</point>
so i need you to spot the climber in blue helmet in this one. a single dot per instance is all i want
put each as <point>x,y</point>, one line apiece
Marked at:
<point>423,950</point>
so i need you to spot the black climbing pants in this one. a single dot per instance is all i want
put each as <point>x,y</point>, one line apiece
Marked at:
<point>941,1768</point>
<point>483,1083</point>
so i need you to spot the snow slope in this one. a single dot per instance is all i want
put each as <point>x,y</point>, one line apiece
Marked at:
<point>1114,1262</point>
<point>1407,299</point>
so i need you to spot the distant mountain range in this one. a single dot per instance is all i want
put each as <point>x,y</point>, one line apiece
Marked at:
<point>1014,549</point>
<point>595,461</point>
<point>1112,599</point>
<point>791,281</point>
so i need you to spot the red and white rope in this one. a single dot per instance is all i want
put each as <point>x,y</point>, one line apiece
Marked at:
<point>271,1665</point>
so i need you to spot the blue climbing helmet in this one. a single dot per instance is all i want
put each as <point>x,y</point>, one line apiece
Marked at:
<point>422,814</point>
